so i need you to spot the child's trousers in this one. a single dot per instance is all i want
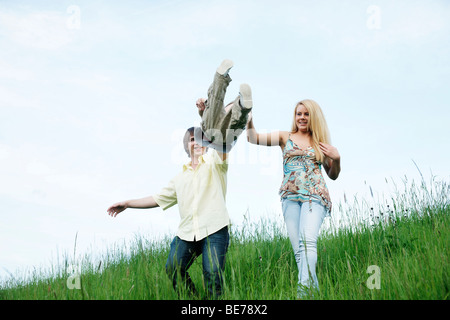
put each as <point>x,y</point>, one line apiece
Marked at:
<point>222,126</point>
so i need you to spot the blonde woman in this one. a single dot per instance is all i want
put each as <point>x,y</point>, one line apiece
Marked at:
<point>304,193</point>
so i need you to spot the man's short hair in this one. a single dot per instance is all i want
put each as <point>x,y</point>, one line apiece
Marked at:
<point>187,138</point>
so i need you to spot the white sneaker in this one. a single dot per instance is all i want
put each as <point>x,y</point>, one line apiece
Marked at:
<point>224,67</point>
<point>245,93</point>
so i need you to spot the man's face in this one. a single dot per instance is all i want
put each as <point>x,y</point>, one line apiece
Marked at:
<point>195,149</point>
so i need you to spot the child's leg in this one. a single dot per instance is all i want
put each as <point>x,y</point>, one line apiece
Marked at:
<point>222,126</point>
<point>237,114</point>
<point>214,112</point>
<point>241,108</point>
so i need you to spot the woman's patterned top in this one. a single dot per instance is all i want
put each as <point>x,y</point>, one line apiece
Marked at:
<point>303,180</point>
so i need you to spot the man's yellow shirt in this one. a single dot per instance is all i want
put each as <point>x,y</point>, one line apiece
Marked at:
<point>201,197</point>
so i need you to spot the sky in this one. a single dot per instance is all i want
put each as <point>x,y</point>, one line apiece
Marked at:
<point>95,97</point>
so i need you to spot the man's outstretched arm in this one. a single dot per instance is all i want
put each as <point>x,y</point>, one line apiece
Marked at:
<point>143,203</point>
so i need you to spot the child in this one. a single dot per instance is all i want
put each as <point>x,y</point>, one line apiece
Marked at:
<point>221,125</point>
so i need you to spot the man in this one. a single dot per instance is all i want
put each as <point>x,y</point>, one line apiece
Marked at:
<point>200,192</point>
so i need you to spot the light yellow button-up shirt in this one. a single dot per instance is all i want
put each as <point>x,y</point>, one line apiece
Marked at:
<point>200,195</point>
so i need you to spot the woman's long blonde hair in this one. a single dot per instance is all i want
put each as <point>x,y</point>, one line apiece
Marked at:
<point>317,125</point>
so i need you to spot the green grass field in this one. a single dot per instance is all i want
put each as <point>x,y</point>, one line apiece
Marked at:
<point>406,240</point>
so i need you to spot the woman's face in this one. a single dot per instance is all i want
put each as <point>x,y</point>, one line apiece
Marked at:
<point>302,118</point>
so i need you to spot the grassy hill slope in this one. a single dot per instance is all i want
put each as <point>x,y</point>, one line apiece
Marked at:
<point>400,253</point>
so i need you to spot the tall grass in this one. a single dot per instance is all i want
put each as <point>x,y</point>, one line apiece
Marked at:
<point>405,236</point>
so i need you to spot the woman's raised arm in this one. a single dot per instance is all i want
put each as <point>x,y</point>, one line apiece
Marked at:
<point>277,138</point>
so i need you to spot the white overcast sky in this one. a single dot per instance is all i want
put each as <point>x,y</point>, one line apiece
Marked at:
<point>96,95</point>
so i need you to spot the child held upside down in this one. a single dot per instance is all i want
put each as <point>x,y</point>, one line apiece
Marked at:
<point>221,125</point>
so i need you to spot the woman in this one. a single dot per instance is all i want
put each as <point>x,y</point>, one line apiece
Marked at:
<point>304,193</point>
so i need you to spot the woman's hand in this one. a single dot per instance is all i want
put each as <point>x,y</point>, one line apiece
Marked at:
<point>250,119</point>
<point>333,166</point>
<point>330,151</point>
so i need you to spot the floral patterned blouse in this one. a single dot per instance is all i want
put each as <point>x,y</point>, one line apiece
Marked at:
<point>303,180</point>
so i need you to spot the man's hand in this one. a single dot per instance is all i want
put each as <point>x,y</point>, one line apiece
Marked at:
<point>143,203</point>
<point>117,208</point>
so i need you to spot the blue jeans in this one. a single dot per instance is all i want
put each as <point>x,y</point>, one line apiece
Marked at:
<point>213,249</point>
<point>303,222</point>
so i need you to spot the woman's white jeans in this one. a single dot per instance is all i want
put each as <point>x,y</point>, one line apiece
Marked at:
<point>303,221</point>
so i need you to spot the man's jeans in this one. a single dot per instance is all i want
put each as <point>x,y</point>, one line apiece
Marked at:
<point>303,221</point>
<point>213,250</point>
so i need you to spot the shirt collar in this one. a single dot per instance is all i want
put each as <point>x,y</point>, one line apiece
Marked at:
<point>188,166</point>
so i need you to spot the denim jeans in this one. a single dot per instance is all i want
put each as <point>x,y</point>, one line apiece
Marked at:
<point>303,221</point>
<point>213,249</point>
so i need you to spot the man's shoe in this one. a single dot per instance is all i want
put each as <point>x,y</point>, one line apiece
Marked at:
<point>224,67</point>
